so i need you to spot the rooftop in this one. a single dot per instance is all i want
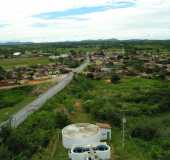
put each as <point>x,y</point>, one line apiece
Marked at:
<point>80,130</point>
<point>104,125</point>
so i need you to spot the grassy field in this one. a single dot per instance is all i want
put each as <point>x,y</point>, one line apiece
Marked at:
<point>14,99</point>
<point>16,62</point>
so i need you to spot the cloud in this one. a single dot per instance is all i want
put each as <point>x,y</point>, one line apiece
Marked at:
<point>40,25</point>
<point>3,25</point>
<point>85,10</point>
<point>59,20</point>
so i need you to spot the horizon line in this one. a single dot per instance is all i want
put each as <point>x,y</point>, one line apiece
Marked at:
<point>104,39</point>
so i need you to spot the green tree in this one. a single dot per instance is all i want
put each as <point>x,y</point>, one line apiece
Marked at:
<point>62,120</point>
<point>115,78</point>
<point>2,73</point>
<point>4,153</point>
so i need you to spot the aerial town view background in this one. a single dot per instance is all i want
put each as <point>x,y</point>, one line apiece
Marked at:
<point>85,80</point>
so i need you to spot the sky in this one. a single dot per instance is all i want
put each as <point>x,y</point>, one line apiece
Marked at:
<point>70,20</point>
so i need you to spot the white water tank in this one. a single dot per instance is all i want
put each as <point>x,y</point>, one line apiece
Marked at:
<point>96,151</point>
<point>80,134</point>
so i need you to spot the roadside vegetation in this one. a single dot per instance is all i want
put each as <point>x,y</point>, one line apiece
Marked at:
<point>12,100</point>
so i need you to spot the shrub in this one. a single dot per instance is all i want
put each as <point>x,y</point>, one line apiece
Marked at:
<point>115,78</point>
<point>4,153</point>
<point>2,73</point>
<point>164,105</point>
<point>161,155</point>
<point>62,120</point>
<point>145,133</point>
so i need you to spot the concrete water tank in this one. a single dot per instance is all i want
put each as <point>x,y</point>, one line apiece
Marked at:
<point>97,151</point>
<point>80,134</point>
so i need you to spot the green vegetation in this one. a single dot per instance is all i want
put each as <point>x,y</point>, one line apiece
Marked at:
<point>86,100</point>
<point>146,102</point>
<point>13,96</point>
<point>17,62</point>
<point>152,46</point>
<point>14,99</point>
<point>2,73</point>
<point>115,78</point>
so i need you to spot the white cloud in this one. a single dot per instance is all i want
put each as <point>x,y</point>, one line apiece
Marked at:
<point>148,19</point>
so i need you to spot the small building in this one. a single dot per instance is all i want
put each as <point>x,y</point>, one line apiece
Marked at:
<point>105,131</point>
<point>54,57</point>
<point>17,54</point>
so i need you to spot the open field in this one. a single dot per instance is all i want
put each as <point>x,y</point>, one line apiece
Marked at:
<point>17,62</point>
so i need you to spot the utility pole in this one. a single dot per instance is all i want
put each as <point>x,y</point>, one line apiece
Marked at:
<point>124,121</point>
<point>123,130</point>
<point>123,50</point>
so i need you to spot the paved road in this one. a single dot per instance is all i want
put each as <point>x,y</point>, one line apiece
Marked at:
<point>19,117</point>
<point>40,101</point>
<point>83,66</point>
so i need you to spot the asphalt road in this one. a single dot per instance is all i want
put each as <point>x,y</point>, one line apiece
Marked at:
<point>19,117</point>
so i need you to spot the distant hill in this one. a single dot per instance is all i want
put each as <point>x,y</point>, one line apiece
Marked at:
<point>15,43</point>
<point>85,41</point>
<point>88,41</point>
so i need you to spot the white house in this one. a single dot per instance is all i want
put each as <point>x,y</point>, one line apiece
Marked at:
<point>105,131</point>
<point>17,54</point>
<point>57,57</point>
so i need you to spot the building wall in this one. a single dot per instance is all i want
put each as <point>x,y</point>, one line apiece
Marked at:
<point>75,141</point>
<point>105,134</point>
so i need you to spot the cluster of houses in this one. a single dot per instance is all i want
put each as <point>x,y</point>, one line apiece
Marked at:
<point>142,65</point>
<point>62,64</point>
<point>69,57</point>
<point>22,75</point>
<point>102,63</point>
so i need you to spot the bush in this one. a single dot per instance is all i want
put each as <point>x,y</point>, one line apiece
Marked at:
<point>11,97</point>
<point>115,78</point>
<point>2,73</point>
<point>161,155</point>
<point>17,143</point>
<point>33,135</point>
<point>5,133</point>
<point>164,105</point>
<point>145,133</point>
<point>62,120</point>
<point>4,153</point>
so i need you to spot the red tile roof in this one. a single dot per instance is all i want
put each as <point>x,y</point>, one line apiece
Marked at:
<point>104,125</point>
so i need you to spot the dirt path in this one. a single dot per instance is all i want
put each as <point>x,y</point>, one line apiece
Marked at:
<point>79,116</point>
